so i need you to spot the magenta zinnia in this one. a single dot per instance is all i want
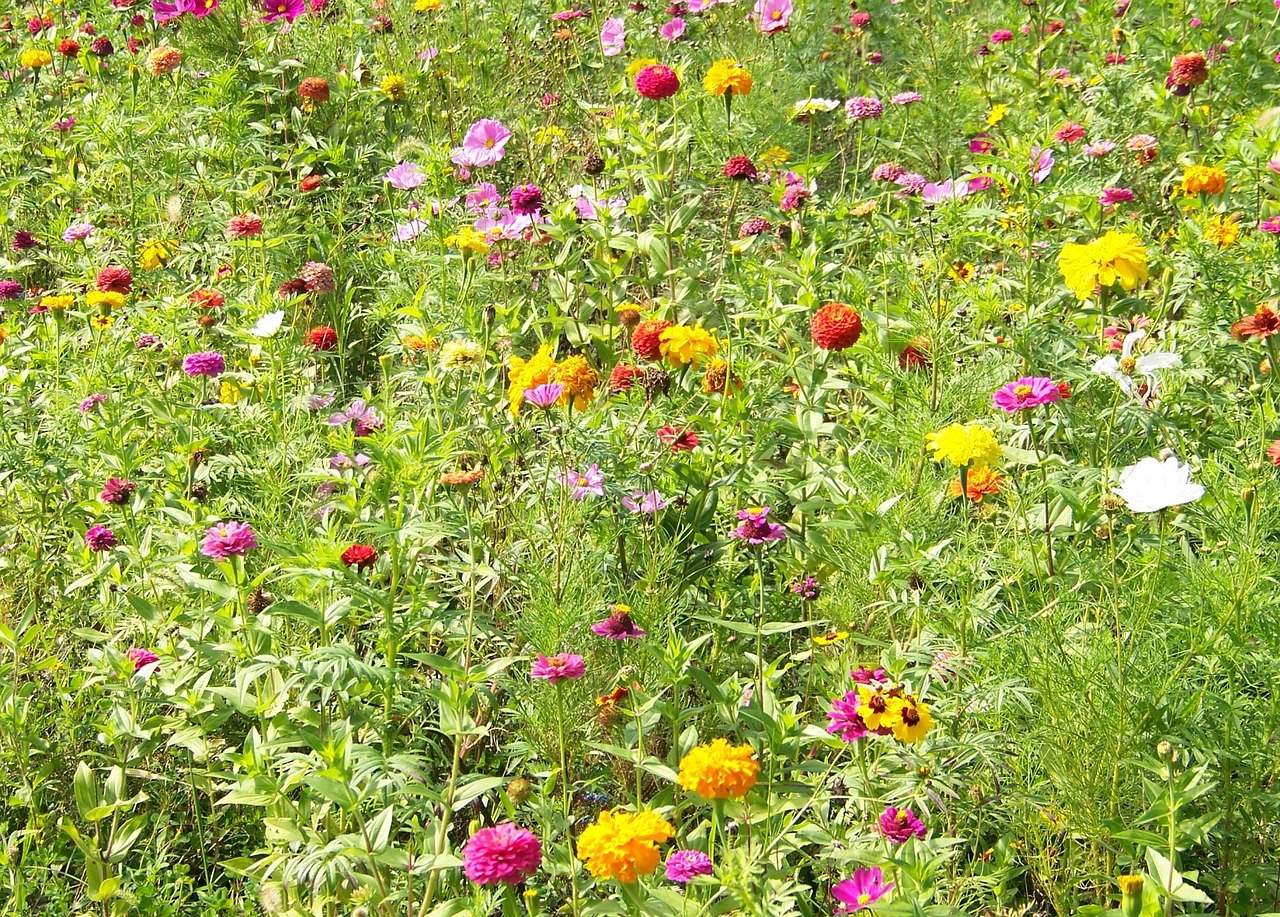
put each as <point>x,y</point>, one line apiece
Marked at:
<point>845,720</point>
<point>755,527</point>
<point>228,539</point>
<point>504,854</point>
<point>556,668</point>
<point>1027,392</point>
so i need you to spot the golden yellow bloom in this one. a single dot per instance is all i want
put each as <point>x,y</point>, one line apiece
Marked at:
<point>683,345</point>
<point>427,6</point>
<point>3,334</point>
<point>982,482</point>
<point>163,59</point>
<point>102,322</point>
<point>156,253</point>
<point>530,373</point>
<point>35,58</point>
<point>965,445</point>
<point>960,271</point>
<point>865,209</point>
<point>468,241</point>
<point>775,156</point>
<point>579,381</point>
<point>108,298</point>
<point>1222,231</point>
<point>58,302</point>
<point>460,354</point>
<point>624,845</point>
<point>229,392</point>
<point>1115,257</point>
<point>395,88</point>
<point>873,707</point>
<point>831,637</point>
<point>909,719</point>
<point>637,65</point>
<point>1204,180</point>
<point>718,770</point>
<point>997,113</point>
<point>725,76</point>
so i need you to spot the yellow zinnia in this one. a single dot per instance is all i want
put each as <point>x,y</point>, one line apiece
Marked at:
<point>468,241</point>
<point>57,302</point>
<point>997,113</point>
<point>683,345</point>
<point>579,381</point>
<point>1114,257</point>
<point>460,354</point>
<point>35,58</point>
<point>1204,180</point>
<point>719,770</point>
<point>108,298</point>
<point>726,76</point>
<point>156,253</point>
<point>525,374</point>
<point>395,88</point>
<point>624,845</point>
<point>965,445</point>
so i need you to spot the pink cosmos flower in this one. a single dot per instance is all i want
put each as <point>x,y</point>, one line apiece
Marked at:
<point>583,484</point>
<point>672,29</point>
<point>980,143</point>
<point>483,145</point>
<point>613,35</point>
<point>1027,392</point>
<point>557,668</point>
<point>567,15</point>
<point>773,15</point>
<point>227,539</point>
<point>1274,166</point>
<point>504,854</point>
<point>483,198</point>
<point>948,190</point>
<point>544,396</point>
<point>640,502</point>
<point>865,888</point>
<point>1112,196</point>
<point>1041,164</point>
<point>404,176</point>
<point>1099,149</point>
<point>283,9</point>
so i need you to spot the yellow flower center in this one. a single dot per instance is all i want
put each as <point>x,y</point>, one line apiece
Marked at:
<point>863,899</point>
<point>1128,365</point>
<point>488,144</point>
<point>1022,392</point>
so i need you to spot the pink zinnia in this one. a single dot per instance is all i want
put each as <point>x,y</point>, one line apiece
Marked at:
<point>613,35</point>
<point>755,528</point>
<point>141,658</point>
<point>1099,149</point>
<point>900,825</point>
<point>1000,36</point>
<point>1027,392</point>
<point>906,98</point>
<point>207,363</point>
<point>618,626</point>
<point>1272,225</point>
<point>1112,196</point>
<point>1071,132</point>
<point>1041,164</point>
<point>504,854</point>
<point>227,539</point>
<point>846,722</point>
<point>100,538</point>
<point>556,668</point>
<point>686,865</point>
<point>773,15</point>
<point>483,145</point>
<point>862,108</point>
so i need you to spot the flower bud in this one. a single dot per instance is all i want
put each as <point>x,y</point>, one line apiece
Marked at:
<point>1130,895</point>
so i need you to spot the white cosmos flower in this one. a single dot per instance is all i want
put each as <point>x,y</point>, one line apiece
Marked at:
<point>1153,485</point>
<point>812,106</point>
<point>268,325</point>
<point>1124,369</point>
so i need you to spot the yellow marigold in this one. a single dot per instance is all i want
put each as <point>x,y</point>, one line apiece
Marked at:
<point>579,381</point>
<point>427,6</point>
<point>964,445</point>
<point>57,302</point>
<point>468,241</point>
<point>997,113</point>
<point>525,374</point>
<point>909,719</point>
<point>108,298</point>
<point>3,334</point>
<point>637,65</point>
<point>719,770</point>
<point>624,845</point>
<point>156,253</point>
<point>1204,180</point>
<point>35,58</point>
<point>395,88</point>
<point>460,354</point>
<point>683,345</point>
<point>775,156</point>
<point>1222,231</point>
<point>1115,257</point>
<point>101,322</point>
<point>163,59</point>
<point>725,76</point>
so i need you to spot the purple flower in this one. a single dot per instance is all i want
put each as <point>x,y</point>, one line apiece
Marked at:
<point>556,668</point>
<point>10,289</point>
<point>503,854</point>
<point>92,402</point>
<point>208,363</point>
<point>846,722</point>
<point>906,98</point>
<point>100,538</point>
<point>865,888</point>
<point>686,865</point>
<point>319,403</point>
<point>910,183</point>
<point>862,108</point>
<point>755,528</point>
<point>589,483</point>
<point>78,232</point>
<point>641,502</point>
<point>526,200</point>
<point>900,825</point>
<point>1099,149</point>
<point>808,588</point>
<point>613,34</point>
<point>407,232</point>
<point>404,176</point>
<point>149,342</point>
<point>545,395</point>
<point>1041,164</point>
<point>672,29</point>
<point>283,9</point>
<point>1025,393</point>
<point>618,626</point>
<point>483,145</point>
<point>117,491</point>
<point>364,418</point>
<point>865,676</point>
<point>341,461</point>
<point>65,124</point>
<point>141,658</point>
<point>227,539</point>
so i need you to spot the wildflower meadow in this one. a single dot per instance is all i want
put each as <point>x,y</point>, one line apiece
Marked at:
<point>685,457</point>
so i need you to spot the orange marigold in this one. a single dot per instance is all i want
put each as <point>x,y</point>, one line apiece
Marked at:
<point>624,845</point>
<point>1263,323</point>
<point>718,770</point>
<point>983,482</point>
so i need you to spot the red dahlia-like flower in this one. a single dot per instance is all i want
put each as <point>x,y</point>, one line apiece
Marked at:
<point>205,298</point>
<point>68,47</point>
<point>1262,324</point>
<point>114,278</point>
<point>310,183</point>
<point>740,168</point>
<point>679,439</point>
<point>1189,69</point>
<point>244,225</point>
<point>835,326</point>
<point>646,340</point>
<point>623,377</point>
<point>360,556</point>
<point>314,89</point>
<point>321,337</point>
<point>657,82</point>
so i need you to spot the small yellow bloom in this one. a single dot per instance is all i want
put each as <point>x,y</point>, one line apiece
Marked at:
<point>1222,231</point>
<point>909,719</point>
<point>1114,257</point>
<point>1204,180</point>
<point>997,113</point>
<point>229,392</point>
<point>637,65</point>
<point>468,241</point>
<point>831,637</point>
<point>35,58</point>
<point>156,253</point>
<point>460,354</point>
<point>873,707</point>
<point>726,77</point>
<point>395,88</point>
<point>57,302</point>
<point>427,6</point>
<point>101,322</point>
<point>108,298</point>
<point>969,445</point>
<point>775,156</point>
<point>527,374</point>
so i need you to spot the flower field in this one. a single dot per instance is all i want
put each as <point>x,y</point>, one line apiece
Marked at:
<point>673,458</point>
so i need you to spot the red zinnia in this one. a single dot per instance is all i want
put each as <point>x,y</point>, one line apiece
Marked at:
<point>1262,324</point>
<point>206,299</point>
<point>115,278</point>
<point>623,377</point>
<point>679,439</point>
<point>657,82</point>
<point>360,556</point>
<point>835,326</point>
<point>310,183</point>
<point>740,168</point>
<point>244,225</point>
<point>646,340</point>
<point>68,47</point>
<point>321,337</point>
<point>1188,70</point>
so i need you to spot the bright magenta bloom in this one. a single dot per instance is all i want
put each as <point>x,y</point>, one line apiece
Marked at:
<point>283,9</point>
<point>556,668</point>
<point>505,853</point>
<point>900,825</point>
<point>865,888</point>
<point>227,539</point>
<point>846,722</point>
<point>141,658</point>
<point>1027,392</point>
<point>755,527</point>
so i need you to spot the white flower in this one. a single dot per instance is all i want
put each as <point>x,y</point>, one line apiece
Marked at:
<point>813,106</point>
<point>268,325</point>
<point>1153,485</point>
<point>1124,369</point>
